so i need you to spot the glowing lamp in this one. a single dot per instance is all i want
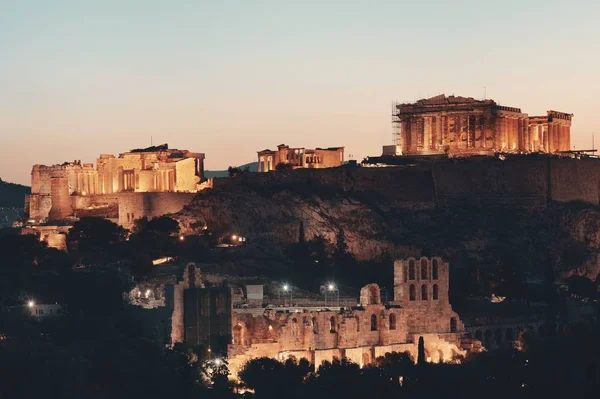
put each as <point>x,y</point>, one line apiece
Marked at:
<point>31,304</point>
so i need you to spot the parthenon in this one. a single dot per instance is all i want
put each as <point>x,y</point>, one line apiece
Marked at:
<point>466,126</point>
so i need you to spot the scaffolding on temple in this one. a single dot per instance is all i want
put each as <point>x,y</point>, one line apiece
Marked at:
<point>396,130</point>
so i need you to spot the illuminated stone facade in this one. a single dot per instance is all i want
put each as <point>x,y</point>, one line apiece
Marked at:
<point>300,157</point>
<point>466,126</point>
<point>362,333</point>
<point>144,182</point>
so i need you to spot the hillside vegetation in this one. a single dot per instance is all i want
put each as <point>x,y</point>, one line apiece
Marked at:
<point>12,195</point>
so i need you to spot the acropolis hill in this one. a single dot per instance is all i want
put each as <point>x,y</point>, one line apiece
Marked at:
<point>432,205</point>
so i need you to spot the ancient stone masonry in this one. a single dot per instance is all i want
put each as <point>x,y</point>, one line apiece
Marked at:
<point>362,333</point>
<point>143,182</point>
<point>300,158</point>
<point>466,126</point>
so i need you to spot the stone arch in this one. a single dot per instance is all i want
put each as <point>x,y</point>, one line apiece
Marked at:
<point>453,323</point>
<point>434,269</point>
<point>412,292</point>
<point>370,295</point>
<point>373,322</point>
<point>315,325</point>
<point>392,320</point>
<point>238,334</point>
<point>191,275</point>
<point>332,324</point>
<point>411,269</point>
<point>435,292</point>
<point>357,318</point>
<point>509,335</point>
<point>423,269</point>
<point>424,295</point>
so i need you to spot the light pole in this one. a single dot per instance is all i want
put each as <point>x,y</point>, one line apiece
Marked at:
<point>331,288</point>
<point>285,288</point>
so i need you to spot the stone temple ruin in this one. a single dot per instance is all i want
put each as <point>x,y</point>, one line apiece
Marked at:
<point>142,182</point>
<point>200,309</point>
<point>465,126</point>
<point>364,332</point>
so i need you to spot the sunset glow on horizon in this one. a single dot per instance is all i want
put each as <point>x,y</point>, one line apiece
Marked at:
<point>231,78</point>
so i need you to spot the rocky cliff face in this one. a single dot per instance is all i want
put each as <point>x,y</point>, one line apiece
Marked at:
<point>269,212</point>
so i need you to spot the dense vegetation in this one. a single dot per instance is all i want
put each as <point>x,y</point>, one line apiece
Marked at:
<point>12,195</point>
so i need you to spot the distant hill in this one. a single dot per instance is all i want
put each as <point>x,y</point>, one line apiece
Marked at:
<point>253,166</point>
<point>12,195</point>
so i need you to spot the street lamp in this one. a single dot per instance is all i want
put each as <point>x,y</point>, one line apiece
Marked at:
<point>31,303</point>
<point>331,288</point>
<point>285,288</point>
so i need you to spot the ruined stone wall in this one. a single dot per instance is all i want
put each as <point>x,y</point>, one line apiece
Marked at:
<point>574,180</point>
<point>59,192</point>
<point>185,175</point>
<point>136,205</point>
<point>39,206</point>
<point>526,181</point>
<point>329,158</point>
<point>421,287</point>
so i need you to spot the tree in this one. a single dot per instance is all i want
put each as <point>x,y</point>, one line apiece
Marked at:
<point>162,226</point>
<point>282,167</point>
<point>141,266</point>
<point>301,236</point>
<point>263,375</point>
<point>421,355</point>
<point>236,171</point>
<point>95,232</point>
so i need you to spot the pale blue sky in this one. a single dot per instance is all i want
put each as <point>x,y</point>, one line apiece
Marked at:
<point>84,77</point>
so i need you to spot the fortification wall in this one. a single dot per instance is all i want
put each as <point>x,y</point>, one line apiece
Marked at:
<point>525,181</point>
<point>574,180</point>
<point>39,206</point>
<point>136,205</point>
<point>185,175</point>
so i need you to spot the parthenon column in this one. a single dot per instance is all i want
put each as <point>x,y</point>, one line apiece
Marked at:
<point>519,142</point>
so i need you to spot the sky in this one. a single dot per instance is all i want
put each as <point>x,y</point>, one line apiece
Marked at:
<point>229,78</point>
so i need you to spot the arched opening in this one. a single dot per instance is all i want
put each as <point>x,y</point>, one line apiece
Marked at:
<point>412,292</point>
<point>357,318</point>
<point>510,335</point>
<point>453,325</point>
<point>435,292</point>
<point>424,292</point>
<point>434,269</point>
<point>373,300</point>
<point>238,334</point>
<point>332,324</point>
<point>315,325</point>
<point>295,329</point>
<point>392,321</point>
<point>191,276</point>
<point>411,269</point>
<point>373,322</point>
<point>423,269</point>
